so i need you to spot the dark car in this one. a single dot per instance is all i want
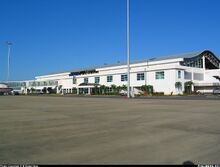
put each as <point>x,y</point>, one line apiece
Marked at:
<point>15,92</point>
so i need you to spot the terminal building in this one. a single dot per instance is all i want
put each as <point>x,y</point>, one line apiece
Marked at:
<point>202,68</point>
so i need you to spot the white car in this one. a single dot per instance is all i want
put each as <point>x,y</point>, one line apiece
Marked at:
<point>123,93</point>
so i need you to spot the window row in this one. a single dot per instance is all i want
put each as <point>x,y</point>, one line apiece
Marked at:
<point>124,77</point>
<point>43,83</point>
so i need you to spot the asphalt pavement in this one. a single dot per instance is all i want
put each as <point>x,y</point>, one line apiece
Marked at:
<point>88,130</point>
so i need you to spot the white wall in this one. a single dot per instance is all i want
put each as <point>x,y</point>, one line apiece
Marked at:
<point>209,75</point>
<point>67,83</point>
<point>53,77</point>
<point>166,85</point>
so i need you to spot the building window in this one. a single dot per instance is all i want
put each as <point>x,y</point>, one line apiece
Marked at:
<point>179,74</point>
<point>86,80</point>
<point>74,80</point>
<point>124,78</point>
<point>160,75</point>
<point>97,80</point>
<point>109,78</point>
<point>140,76</point>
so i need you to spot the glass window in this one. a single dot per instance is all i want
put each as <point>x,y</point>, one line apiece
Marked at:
<point>179,74</point>
<point>140,76</point>
<point>86,80</point>
<point>124,77</point>
<point>97,80</point>
<point>74,80</point>
<point>160,75</point>
<point>109,78</point>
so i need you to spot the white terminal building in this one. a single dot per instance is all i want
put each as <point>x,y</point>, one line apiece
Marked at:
<point>202,68</point>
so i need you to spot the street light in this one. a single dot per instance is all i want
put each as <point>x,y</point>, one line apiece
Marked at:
<point>9,50</point>
<point>128,46</point>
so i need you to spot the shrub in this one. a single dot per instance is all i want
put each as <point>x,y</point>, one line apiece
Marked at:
<point>148,89</point>
<point>188,87</point>
<point>158,94</point>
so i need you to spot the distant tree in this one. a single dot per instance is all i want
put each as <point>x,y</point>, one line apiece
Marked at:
<point>120,88</point>
<point>102,89</point>
<point>96,90</point>
<point>144,88</point>
<point>114,88</point>
<point>49,90</point>
<point>188,87</point>
<point>44,90</point>
<point>150,89</point>
<point>178,85</point>
<point>124,87</point>
<point>106,90</point>
<point>147,89</point>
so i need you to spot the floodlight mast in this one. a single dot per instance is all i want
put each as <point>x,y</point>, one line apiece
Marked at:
<point>9,51</point>
<point>128,47</point>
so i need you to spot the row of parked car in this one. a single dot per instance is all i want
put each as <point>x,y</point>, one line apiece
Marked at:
<point>216,91</point>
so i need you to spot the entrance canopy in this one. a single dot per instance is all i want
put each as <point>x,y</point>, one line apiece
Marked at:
<point>88,85</point>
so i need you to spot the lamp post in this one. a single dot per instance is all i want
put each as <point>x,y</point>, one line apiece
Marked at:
<point>9,50</point>
<point>128,47</point>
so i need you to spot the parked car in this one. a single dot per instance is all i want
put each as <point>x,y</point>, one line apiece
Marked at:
<point>216,91</point>
<point>13,92</point>
<point>123,93</point>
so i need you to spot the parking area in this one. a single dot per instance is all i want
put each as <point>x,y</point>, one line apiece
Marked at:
<point>81,130</point>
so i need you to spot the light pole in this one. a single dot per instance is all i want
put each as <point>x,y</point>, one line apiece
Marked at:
<point>9,50</point>
<point>128,47</point>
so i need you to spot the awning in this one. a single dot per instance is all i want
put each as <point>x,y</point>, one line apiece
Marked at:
<point>88,85</point>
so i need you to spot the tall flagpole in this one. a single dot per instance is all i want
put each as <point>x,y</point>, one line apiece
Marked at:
<point>128,47</point>
<point>9,50</point>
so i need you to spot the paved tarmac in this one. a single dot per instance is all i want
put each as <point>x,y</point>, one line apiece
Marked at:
<point>81,130</point>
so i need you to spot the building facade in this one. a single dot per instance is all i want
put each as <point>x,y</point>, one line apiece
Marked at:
<point>202,68</point>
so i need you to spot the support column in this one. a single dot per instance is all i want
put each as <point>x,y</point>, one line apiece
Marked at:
<point>145,76</point>
<point>192,88</point>
<point>192,77</point>
<point>26,90</point>
<point>89,91</point>
<point>77,91</point>
<point>57,90</point>
<point>132,92</point>
<point>192,80</point>
<point>203,62</point>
